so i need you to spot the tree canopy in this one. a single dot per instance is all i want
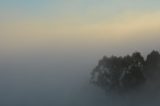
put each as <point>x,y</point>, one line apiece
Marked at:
<point>124,73</point>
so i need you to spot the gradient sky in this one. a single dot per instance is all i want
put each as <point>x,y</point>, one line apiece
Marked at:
<point>48,48</point>
<point>63,24</point>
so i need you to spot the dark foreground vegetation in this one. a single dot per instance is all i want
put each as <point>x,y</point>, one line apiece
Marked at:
<point>122,74</point>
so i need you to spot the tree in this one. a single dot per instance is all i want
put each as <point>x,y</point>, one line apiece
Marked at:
<point>152,63</point>
<point>124,73</point>
<point>153,59</point>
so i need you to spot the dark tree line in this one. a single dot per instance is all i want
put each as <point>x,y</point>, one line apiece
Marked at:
<point>125,73</point>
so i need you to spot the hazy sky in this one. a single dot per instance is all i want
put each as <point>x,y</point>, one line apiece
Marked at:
<point>49,47</point>
<point>78,23</point>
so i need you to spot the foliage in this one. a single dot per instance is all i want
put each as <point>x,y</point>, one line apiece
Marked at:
<point>124,73</point>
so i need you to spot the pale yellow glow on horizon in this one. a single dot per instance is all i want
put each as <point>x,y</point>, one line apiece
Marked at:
<point>123,26</point>
<point>124,31</point>
<point>121,29</point>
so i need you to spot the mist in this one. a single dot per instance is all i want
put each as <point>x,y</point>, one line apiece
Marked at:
<point>48,50</point>
<point>45,74</point>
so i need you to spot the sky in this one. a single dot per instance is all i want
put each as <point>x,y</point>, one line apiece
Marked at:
<point>48,48</point>
<point>77,23</point>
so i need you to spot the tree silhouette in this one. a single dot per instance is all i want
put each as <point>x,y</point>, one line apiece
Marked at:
<point>124,73</point>
<point>152,63</point>
<point>153,59</point>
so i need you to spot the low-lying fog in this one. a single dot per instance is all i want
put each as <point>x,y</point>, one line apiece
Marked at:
<point>51,77</point>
